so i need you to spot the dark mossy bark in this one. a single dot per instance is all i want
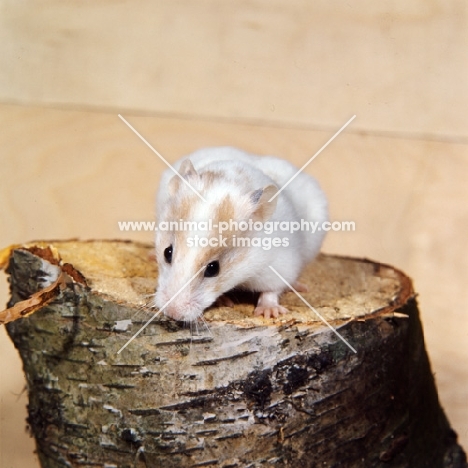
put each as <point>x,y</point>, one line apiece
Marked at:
<point>245,393</point>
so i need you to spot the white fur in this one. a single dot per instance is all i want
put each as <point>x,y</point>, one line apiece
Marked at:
<point>241,174</point>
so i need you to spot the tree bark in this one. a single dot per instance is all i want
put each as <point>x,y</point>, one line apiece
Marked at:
<point>238,391</point>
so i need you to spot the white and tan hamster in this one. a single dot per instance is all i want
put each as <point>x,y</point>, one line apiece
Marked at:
<point>237,187</point>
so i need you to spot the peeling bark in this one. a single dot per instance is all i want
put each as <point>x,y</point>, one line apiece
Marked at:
<point>247,392</point>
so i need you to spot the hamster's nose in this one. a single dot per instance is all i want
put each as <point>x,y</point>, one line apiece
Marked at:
<point>173,313</point>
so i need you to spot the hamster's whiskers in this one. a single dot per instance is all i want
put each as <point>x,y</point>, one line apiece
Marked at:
<point>146,307</point>
<point>206,326</point>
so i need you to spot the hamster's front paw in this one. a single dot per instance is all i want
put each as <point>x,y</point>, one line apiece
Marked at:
<point>268,305</point>
<point>224,301</point>
<point>268,312</point>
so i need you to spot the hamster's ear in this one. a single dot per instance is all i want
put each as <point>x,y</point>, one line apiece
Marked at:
<point>262,208</point>
<point>187,171</point>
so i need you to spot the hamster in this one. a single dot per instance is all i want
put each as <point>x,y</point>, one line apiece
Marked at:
<point>236,186</point>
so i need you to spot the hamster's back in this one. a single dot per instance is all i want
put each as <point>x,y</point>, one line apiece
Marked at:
<point>303,191</point>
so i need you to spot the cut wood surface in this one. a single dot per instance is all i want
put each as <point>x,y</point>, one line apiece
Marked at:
<point>235,391</point>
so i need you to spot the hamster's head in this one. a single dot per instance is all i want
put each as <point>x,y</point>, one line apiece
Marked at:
<point>196,262</point>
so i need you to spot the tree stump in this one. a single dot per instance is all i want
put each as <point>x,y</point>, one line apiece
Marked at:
<point>236,391</point>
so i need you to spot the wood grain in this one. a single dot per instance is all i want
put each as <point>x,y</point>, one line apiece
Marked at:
<point>181,396</point>
<point>401,67</point>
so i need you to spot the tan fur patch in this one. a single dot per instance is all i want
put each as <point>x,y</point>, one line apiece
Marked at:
<point>209,178</point>
<point>183,208</point>
<point>225,210</point>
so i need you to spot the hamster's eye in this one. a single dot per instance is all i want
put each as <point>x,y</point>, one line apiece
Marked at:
<point>168,254</point>
<point>212,269</point>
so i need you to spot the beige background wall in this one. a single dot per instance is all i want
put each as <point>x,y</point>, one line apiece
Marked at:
<point>270,76</point>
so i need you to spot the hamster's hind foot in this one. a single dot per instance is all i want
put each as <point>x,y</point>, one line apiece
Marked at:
<point>300,287</point>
